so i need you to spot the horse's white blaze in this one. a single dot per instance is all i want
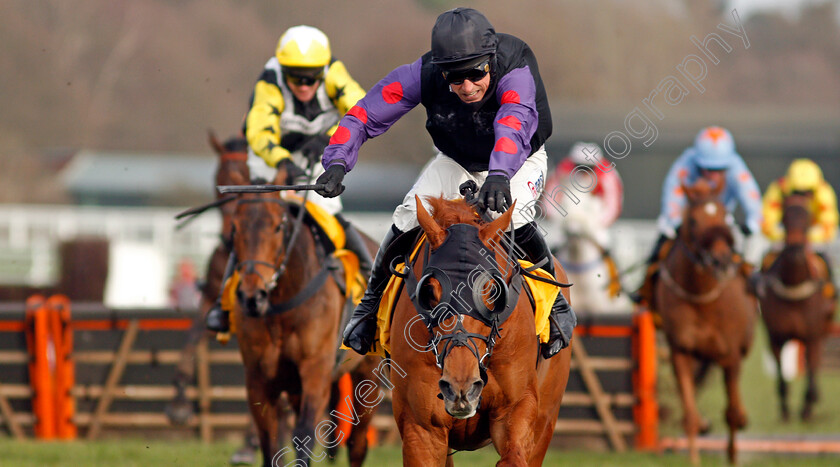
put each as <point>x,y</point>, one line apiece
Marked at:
<point>710,208</point>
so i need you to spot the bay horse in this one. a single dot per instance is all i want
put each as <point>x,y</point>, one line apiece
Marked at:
<point>495,386</point>
<point>707,314</point>
<point>289,306</point>
<point>232,169</point>
<point>793,302</point>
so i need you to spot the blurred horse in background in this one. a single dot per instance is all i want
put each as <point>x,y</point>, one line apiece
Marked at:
<point>232,169</point>
<point>586,260</point>
<point>796,300</point>
<point>289,303</point>
<point>707,314</point>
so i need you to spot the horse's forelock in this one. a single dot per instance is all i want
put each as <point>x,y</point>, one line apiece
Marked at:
<point>450,212</point>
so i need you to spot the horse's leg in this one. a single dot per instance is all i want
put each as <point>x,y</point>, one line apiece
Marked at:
<point>514,435</point>
<point>421,447</point>
<point>357,443</point>
<point>332,448</point>
<point>315,382</point>
<point>736,417</point>
<point>813,356</point>
<point>684,372</point>
<point>180,409</point>
<point>263,406</point>
<point>781,384</point>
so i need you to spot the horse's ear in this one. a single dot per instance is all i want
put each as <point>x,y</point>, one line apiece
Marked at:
<point>496,227</point>
<point>435,234</point>
<point>214,143</point>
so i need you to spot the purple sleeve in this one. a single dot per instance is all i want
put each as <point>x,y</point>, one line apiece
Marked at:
<point>382,106</point>
<point>516,122</point>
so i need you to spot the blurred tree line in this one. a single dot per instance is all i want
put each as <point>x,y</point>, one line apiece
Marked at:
<point>154,75</point>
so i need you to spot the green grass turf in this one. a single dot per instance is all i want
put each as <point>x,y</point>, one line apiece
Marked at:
<point>139,453</point>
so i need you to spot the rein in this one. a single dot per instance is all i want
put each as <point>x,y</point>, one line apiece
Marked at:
<point>794,293</point>
<point>680,291</point>
<point>797,292</point>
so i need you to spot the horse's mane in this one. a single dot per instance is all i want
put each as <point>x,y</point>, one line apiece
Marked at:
<point>447,212</point>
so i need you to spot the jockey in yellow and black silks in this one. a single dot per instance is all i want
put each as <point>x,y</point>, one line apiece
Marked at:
<point>803,177</point>
<point>298,99</point>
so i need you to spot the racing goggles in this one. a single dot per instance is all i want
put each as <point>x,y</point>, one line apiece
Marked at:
<point>303,77</point>
<point>474,74</point>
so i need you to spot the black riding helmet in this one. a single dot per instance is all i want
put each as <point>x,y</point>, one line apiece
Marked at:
<point>461,38</point>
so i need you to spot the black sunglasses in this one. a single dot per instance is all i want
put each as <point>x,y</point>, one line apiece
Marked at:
<point>303,80</point>
<point>472,74</point>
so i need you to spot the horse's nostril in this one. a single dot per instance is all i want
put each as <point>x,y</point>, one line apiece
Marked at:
<point>262,295</point>
<point>446,390</point>
<point>475,390</point>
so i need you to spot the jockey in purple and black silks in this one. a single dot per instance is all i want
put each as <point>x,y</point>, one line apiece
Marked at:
<point>488,115</point>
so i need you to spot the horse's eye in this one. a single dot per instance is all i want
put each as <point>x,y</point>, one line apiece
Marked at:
<point>427,297</point>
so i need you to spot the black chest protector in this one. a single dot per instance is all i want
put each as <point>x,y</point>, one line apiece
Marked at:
<point>465,132</point>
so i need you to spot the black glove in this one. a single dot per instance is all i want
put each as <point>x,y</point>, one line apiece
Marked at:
<point>314,147</point>
<point>332,181</point>
<point>292,171</point>
<point>495,193</point>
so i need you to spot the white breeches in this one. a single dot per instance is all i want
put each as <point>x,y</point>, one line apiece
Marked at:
<point>442,176</point>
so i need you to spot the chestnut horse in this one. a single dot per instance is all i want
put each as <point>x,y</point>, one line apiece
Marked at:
<point>793,302</point>
<point>289,305</point>
<point>494,384</point>
<point>232,169</point>
<point>707,315</point>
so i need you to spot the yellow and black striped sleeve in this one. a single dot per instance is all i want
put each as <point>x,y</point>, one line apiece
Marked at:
<point>771,224</point>
<point>262,124</point>
<point>825,220</point>
<point>342,89</point>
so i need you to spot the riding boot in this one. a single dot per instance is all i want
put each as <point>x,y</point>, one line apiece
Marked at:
<point>360,332</point>
<point>356,243</point>
<point>217,319</point>
<point>562,319</point>
<point>644,296</point>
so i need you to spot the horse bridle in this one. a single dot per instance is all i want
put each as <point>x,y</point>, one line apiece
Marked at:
<point>486,273</point>
<point>247,266</point>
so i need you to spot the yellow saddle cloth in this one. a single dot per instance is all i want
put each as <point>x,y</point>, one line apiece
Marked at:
<point>544,296</point>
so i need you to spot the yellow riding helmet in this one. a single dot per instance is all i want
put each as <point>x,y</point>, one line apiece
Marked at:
<point>303,46</point>
<point>803,175</point>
